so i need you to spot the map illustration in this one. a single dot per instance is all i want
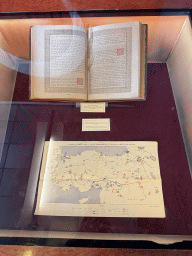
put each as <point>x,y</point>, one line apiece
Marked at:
<point>102,179</point>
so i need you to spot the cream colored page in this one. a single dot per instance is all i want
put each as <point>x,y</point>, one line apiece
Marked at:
<point>96,178</point>
<point>114,61</point>
<point>59,62</point>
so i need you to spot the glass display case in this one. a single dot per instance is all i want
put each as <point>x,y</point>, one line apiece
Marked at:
<point>163,117</point>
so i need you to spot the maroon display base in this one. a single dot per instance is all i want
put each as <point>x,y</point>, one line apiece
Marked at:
<point>152,120</point>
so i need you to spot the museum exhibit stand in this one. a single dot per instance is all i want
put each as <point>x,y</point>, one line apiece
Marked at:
<point>29,128</point>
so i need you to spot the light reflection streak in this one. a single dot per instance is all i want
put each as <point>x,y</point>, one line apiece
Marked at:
<point>22,65</point>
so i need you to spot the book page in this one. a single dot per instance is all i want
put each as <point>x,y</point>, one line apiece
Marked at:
<point>59,62</point>
<point>100,179</point>
<point>114,61</point>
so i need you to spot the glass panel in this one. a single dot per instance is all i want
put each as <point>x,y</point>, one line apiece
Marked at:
<point>26,125</point>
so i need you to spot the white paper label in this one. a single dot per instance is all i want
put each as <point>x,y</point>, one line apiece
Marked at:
<point>98,107</point>
<point>96,124</point>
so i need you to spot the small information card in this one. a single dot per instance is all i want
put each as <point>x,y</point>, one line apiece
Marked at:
<point>96,124</point>
<point>98,107</point>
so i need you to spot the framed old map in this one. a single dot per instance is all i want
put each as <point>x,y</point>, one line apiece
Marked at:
<point>100,178</point>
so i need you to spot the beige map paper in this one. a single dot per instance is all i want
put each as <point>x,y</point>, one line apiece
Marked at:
<point>100,178</point>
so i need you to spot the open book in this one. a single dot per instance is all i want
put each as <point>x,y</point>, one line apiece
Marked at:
<point>102,63</point>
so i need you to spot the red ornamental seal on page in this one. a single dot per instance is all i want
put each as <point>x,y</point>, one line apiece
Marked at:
<point>120,51</point>
<point>79,81</point>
